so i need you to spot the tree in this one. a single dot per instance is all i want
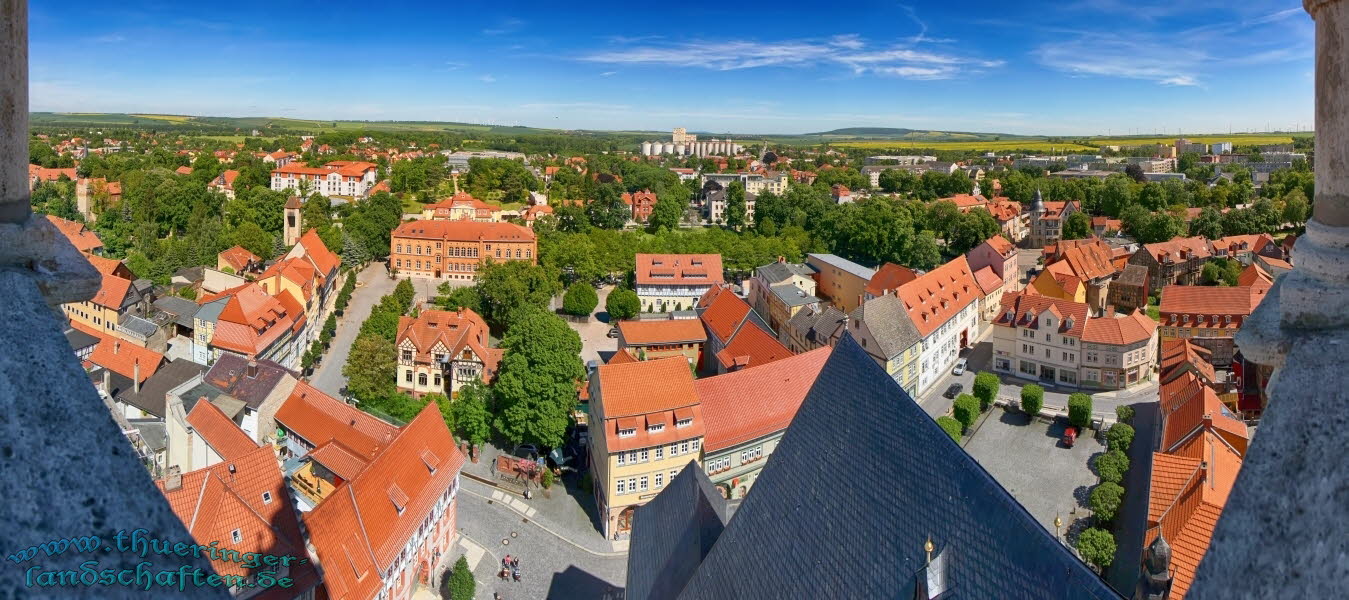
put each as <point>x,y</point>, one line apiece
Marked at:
<point>1112,465</point>
<point>469,415</point>
<point>354,253</point>
<point>460,583</point>
<point>536,387</point>
<point>1105,501</point>
<point>1032,399</point>
<point>1120,436</point>
<point>1124,413</point>
<point>1077,227</point>
<point>986,389</point>
<point>1135,172</point>
<point>462,297</point>
<point>1079,409</point>
<point>1097,547</point>
<point>371,368</point>
<point>966,410</point>
<point>1209,224</point>
<point>622,304</point>
<point>951,426</point>
<point>1295,207</point>
<point>736,208</point>
<point>508,287</point>
<point>580,299</point>
<point>607,210</point>
<point>252,238</point>
<point>667,213</point>
<point>923,252</point>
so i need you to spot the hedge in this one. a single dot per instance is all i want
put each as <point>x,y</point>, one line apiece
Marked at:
<point>951,426</point>
<point>966,411</point>
<point>986,389</point>
<point>1079,410</point>
<point>1032,399</point>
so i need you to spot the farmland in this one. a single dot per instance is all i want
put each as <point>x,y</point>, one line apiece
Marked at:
<point>1248,139</point>
<point>169,118</point>
<point>992,146</point>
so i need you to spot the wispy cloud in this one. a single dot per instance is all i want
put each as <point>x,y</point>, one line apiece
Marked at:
<point>504,26</point>
<point>487,78</point>
<point>111,38</point>
<point>847,50</point>
<point>608,73</point>
<point>454,65</point>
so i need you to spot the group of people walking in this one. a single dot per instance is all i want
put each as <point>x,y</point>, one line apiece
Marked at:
<point>510,568</point>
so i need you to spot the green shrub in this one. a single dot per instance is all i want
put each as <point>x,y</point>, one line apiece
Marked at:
<point>986,389</point>
<point>1032,399</point>
<point>580,299</point>
<point>966,411</point>
<point>1079,410</point>
<point>1112,466</point>
<point>951,426</point>
<point>1105,501</point>
<point>1097,547</point>
<point>547,478</point>
<point>1124,413</point>
<point>622,304</point>
<point>461,584</point>
<point>1120,436</point>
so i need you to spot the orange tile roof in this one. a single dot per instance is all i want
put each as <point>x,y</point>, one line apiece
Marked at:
<point>724,314</point>
<point>80,236</point>
<point>122,357</point>
<point>965,201</point>
<point>252,321</point>
<point>1178,352</point>
<point>318,254</point>
<point>108,266</point>
<point>1000,245</point>
<point>1254,242</point>
<point>51,174</point>
<point>889,277</point>
<point>344,168</point>
<point>183,170</point>
<point>1089,260</point>
<point>670,331</point>
<point>1054,209</point>
<point>1192,247</point>
<point>451,331</point>
<point>1004,210</point>
<point>238,258</point>
<point>359,530</point>
<point>752,403</point>
<point>112,292</point>
<point>298,271</point>
<point>214,503</point>
<point>678,269</point>
<point>1187,496</point>
<point>752,347</point>
<point>1253,276</point>
<point>621,357</point>
<point>1196,407</point>
<point>939,295</point>
<point>462,230</point>
<point>317,418</point>
<point>1024,302</point>
<point>1118,331</point>
<point>1210,300</point>
<point>646,387</point>
<point>220,432</point>
<point>988,281</point>
<point>339,459</point>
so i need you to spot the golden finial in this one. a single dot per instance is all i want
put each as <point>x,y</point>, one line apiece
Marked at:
<point>927,546</point>
<point>1058,522</point>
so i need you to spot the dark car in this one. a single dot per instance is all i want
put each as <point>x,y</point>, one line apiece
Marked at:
<point>613,332</point>
<point>953,391</point>
<point>529,451</point>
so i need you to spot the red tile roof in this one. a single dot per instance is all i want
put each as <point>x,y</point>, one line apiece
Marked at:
<point>183,170</point>
<point>252,321</point>
<point>724,313</point>
<point>317,418</point>
<point>344,168</point>
<point>752,403</point>
<point>220,432</point>
<point>339,459</point>
<point>462,230</point>
<point>672,331</point>
<point>679,269</point>
<point>213,503</point>
<point>988,281</point>
<point>1004,210</point>
<point>1253,276</point>
<point>646,387</point>
<point>1255,242</point>
<point>1188,492</point>
<point>318,254</point>
<point>751,347</point>
<point>1178,352</point>
<point>1088,259</point>
<point>1119,331</point>
<point>451,333</point>
<point>122,357</point>
<point>359,530</point>
<point>1000,245</point>
<point>1194,406</point>
<point>238,258</point>
<point>1209,300</point>
<point>939,295</point>
<point>81,237</point>
<point>1192,247</point>
<point>108,266</point>
<point>112,292</point>
<point>966,201</point>
<point>1025,303</point>
<point>889,277</point>
<point>621,357</point>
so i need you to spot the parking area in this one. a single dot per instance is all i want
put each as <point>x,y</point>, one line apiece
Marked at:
<point>595,343</point>
<point>1027,457</point>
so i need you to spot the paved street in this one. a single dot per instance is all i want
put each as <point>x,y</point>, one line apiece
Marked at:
<point>550,566</point>
<point>1134,513</point>
<point>1028,458</point>
<point>372,284</point>
<point>595,343</point>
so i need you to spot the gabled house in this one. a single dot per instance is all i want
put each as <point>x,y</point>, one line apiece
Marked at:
<point>886,333</point>
<point>641,203</point>
<point>238,259</point>
<point>999,255</point>
<point>812,328</point>
<point>726,317</point>
<point>943,305</point>
<point>440,351</point>
<point>224,183</point>
<point>256,325</point>
<point>673,282</point>
<point>1178,261</point>
<point>661,338</point>
<point>779,289</point>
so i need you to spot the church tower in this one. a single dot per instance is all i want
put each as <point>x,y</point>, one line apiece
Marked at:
<point>293,223</point>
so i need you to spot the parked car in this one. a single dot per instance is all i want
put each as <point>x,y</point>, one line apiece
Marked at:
<point>529,451</point>
<point>613,332</point>
<point>960,367</point>
<point>953,391</point>
<point>1069,436</point>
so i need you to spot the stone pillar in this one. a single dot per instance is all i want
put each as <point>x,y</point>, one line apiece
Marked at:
<point>14,111</point>
<point>1316,294</point>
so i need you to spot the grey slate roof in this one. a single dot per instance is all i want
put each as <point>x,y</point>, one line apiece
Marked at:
<point>151,397</point>
<point>137,325</point>
<point>859,482</point>
<point>1133,275</point>
<point>210,312</point>
<point>182,309</point>
<point>152,431</point>
<point>792,295</point>
<point>672,533</point>
<point>845,264</point>
<point>889,324</point>
<point>79,339</point>
<point>817,325</point>
<point>778,272</point>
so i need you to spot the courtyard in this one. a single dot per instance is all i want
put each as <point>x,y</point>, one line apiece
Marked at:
<point>1027,457</point>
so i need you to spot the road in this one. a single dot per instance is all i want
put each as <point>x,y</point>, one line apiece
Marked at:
<point>595,343</point>
<point>372,284</point>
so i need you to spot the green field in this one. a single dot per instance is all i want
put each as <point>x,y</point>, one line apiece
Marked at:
<point>169,118</point>
<point>987,145</point>
<point>1258,139</point>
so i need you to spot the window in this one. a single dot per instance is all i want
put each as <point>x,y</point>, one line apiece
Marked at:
<point>407,376</point>
<point>684,422</point>
<point>642,454</point>
<point>237,536</point>
<point>622,459</point>
<point>1046,352</point>
<point>655,427</point>
<point>421,379</point>
<point>1028,367</point>
<point>660,452</point>
<point>498,253</point>
<point>643,483</point>
<point>698,443</point>
<point>437,379</point>
<point>674,449</point>
<point>530,254</point>
<point>627,432</point>
<point>684,447</point>
<point>622,486</point>
<point>407,355</point>
<point>266,497</point>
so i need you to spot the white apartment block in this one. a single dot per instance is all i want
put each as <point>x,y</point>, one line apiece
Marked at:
<point>337,178</point>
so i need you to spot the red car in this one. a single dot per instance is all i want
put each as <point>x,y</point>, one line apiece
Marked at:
<point>1069,436</point>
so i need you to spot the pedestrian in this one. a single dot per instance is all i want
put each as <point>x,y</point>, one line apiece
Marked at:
<point>516,563</point>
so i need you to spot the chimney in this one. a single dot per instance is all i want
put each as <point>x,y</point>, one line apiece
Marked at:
<point>107,382</point>
<point>174,479</point>
<point>252,369</point>
<point>782,259</point>
<point>116,346</point>
<point>136,376</point>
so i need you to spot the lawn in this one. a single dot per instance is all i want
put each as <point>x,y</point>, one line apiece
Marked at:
<point>994,145</point>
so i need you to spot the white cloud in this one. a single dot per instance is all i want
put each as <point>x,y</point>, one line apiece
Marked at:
<point>846,50</point>
<point>505,26</point>
<point>487,78</point>
<point>111,38</point>
<point>608,73</point>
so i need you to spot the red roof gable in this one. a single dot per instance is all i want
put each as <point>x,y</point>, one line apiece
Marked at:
<point>752,403</point>
<point>678,269</point>
<point>123,357</point>
<point>220,432</point>
<point>751,347</point>
<point>317,418</point>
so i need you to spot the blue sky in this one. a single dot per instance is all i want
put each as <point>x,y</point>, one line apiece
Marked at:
<point>1070,67</point>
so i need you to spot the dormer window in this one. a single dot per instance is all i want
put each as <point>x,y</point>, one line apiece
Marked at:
<point>266,497</point>
<point>623,433</point>
<point>654,427</point>
<point>684,422</point>
<point>237,536</point>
